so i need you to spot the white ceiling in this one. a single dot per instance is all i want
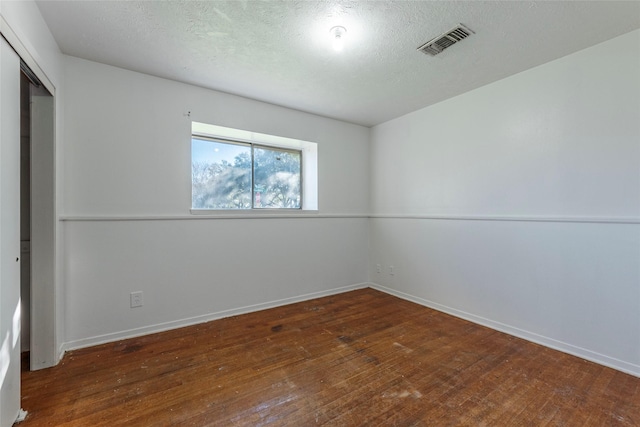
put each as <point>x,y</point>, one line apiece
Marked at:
<point>280,51</point>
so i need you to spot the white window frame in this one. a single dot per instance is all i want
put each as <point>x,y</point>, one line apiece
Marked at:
<point>309,165</point>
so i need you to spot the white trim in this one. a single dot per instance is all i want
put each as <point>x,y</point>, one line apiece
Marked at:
<point>583,353</point>
<point>161,327</point>
<point>61,352</point>
<point>570,219</point>
<point>22,415</point>
<point>211,216</point>
<point>23,53</point>
<point>200,214</point>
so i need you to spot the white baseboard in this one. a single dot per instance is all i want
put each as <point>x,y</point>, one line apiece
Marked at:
<point>583,353</point>
<point>564,347</point>
<point>161,327</point>
<point>61,351</point>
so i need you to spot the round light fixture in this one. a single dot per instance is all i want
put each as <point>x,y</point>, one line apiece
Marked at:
<point>338,33</point>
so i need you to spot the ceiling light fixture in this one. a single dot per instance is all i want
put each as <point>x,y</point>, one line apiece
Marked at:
<point>337,34</point>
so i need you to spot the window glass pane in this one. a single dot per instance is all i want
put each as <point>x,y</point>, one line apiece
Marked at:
<point>277,178</point>
<point>220,175</point>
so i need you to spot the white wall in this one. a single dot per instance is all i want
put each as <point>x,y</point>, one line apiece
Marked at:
<point>127,200</point>
<point>196,270</point>
<point>127,143</point>
<point>520,204</point>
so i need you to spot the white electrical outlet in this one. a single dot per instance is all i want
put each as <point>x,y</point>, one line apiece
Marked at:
<point>392,270</point>
<point>378,268</point>
<point>136,299</point>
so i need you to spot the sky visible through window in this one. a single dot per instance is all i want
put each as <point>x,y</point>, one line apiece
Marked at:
<point>203,151</point>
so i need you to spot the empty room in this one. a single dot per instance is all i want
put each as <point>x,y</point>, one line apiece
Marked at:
<point>345,213</point>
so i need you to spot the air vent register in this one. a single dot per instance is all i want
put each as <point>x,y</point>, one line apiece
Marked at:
<point>445,40</point>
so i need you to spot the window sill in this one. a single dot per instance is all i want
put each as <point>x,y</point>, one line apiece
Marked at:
<point>258,213</point>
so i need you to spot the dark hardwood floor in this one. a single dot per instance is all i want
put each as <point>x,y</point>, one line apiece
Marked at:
<point>359,358</point>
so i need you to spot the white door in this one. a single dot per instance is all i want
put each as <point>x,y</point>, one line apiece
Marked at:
<point>43,331</point>
<point>9,235</point>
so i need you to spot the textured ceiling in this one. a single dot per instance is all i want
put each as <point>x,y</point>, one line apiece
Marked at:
<point>280,51</point>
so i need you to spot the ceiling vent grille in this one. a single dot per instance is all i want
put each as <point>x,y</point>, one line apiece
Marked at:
<point>443,41</point>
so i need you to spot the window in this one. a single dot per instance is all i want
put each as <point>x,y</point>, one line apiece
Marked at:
<point>233,169</point>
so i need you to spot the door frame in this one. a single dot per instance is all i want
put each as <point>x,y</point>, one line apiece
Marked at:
<point>45,346</point>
